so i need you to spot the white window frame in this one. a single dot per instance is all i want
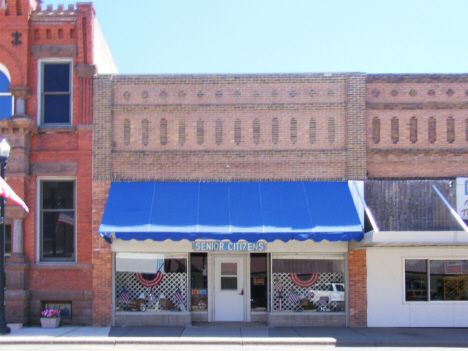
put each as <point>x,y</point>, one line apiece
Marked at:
<point>4,70</point>
<point>40,105</point>
<point>39,258</point>
<point>428,260</point>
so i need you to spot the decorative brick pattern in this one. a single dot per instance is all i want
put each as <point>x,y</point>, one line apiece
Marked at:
<point>431,112</point>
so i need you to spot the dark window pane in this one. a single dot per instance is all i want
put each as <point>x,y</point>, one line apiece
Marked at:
<point>56,108</point>
<point>416,280</point>
<point>449,280</point>
<point>258,282</point>
<point>175,265</point>
<point>58,195</point>
<point>58,236</point>
<point>6,107</point>
<point>56,78</point>
<point>228,283</point>
<point>7,239</point>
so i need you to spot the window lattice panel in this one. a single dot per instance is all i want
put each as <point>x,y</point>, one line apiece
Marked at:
<point>168,287</point>
<point>287,285</point>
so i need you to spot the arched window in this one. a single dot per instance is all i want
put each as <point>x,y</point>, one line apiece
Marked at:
<point>6,100</point>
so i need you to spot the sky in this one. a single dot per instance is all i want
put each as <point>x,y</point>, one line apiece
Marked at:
<point>285,36</point>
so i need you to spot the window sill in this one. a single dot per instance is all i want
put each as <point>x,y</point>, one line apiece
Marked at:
<point>45,129</point>
<point>52,266</point>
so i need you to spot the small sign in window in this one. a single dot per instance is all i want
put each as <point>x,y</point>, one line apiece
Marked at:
<point>453,267</point>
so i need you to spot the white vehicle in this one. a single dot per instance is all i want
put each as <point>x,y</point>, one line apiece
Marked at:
<point>325,294</point>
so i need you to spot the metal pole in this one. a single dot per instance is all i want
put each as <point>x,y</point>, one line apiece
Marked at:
<point>452,211</point>
<point>370,216</point>
<point>3,325</point>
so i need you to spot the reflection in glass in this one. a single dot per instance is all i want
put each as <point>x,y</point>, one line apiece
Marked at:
<point>199,281</point>
<point>308,285</point>
<point>449,280</point>
<point>416,280</point>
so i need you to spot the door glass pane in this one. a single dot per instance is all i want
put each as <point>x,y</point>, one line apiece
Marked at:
<point>258,282</point>
<point>228,268</point>
<point>228,283</point>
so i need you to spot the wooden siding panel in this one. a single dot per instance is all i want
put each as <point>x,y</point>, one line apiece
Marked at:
<point>400,205</point>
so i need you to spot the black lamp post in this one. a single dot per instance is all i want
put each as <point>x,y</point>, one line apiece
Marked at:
<point>4,153</point>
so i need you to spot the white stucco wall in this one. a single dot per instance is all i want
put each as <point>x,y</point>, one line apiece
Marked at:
<point>386,306</point>
<point>102,56</point>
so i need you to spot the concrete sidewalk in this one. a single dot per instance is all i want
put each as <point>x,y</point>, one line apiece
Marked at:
<point>241,334</point>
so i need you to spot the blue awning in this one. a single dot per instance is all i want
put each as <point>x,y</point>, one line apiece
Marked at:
<point>234,211</point>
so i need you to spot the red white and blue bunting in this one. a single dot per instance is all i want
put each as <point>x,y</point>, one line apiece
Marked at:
<point>304,283</point>
<point>149,280</point>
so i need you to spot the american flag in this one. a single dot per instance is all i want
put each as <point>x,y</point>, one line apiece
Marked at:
<point>280,301</point>
<point>150,297</point>
<point>278,285</point>
<point>178,296</point>
<point>292,297</point>
<point>124,296</point>
<point>67,218</point>
<point>8,193</point>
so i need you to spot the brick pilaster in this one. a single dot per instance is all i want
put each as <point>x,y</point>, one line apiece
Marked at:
<point>356,126</point>
<point>357,263</point>
<point>102,128</point>
<point>102,260</point>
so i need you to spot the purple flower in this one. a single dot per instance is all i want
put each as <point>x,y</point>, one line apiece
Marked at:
<point>50,313</point>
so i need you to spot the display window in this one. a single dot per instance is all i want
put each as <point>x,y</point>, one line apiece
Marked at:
<point>151,283</point>
<point>445,280</point>
<point>308,285</point>
<point>199,282</point>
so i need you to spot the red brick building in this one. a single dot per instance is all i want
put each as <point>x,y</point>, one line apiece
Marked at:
<point>48,58</point>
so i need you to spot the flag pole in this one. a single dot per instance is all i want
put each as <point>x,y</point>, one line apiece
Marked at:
<point>4,154</point>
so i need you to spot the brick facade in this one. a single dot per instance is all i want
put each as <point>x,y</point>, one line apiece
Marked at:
<point>430,126</point>
<point>222,128</point>
<point>40,152</point>
<point>278,127</point>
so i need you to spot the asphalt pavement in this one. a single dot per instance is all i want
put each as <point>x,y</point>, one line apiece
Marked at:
<point>241,334</point>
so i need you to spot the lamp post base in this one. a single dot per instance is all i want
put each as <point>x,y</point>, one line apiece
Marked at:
<point>5,330</point>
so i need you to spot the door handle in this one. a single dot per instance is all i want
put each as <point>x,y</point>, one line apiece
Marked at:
<point>242,292</point>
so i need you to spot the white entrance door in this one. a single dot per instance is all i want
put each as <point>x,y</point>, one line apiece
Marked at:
<point>229,289</point>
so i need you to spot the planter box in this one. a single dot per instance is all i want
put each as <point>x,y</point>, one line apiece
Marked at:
<point>50,322</point>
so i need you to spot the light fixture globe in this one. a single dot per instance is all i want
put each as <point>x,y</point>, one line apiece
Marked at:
<point>4,150</point>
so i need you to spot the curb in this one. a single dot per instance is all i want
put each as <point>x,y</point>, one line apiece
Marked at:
<point>317,341</point>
